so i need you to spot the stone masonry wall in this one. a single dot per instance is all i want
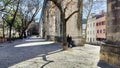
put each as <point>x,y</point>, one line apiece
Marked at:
<point>113,21</point>
<point>110,54</point>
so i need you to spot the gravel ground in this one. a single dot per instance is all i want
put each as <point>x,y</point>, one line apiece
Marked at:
<point>38,53</point>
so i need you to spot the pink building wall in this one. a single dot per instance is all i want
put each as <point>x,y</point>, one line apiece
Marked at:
<point>101,28</point>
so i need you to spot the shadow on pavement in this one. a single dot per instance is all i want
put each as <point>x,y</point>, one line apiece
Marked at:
<point>103,64</point>
<point>45,59</point>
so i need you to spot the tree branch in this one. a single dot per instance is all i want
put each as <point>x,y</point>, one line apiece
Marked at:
<point>5,5</point>
<point>15,14</point>
<point>4,19</point>
<point>37,10</point>
<point>57,4</point>
<point>67,5</point>
<point>71,15</point>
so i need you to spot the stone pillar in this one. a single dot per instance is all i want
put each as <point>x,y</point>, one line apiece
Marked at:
<point>113,21</point>
<point>110,52</point>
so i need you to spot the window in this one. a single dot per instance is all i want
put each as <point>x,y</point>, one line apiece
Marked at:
<point>103,22</point>
<point>96,24</point>
<point>97,31</point>
<point>104,30</point>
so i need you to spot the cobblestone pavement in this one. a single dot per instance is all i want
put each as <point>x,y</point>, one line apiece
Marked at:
<point>38,53</point>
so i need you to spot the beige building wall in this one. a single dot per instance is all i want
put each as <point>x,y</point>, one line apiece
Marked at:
<point>52,21</point>
<point>45,20</point>
<point>72,22</point>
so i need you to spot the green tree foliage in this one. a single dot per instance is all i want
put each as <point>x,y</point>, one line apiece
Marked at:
<point>18,25</point>
<point>4,4</point>
<point>10,16</point>
<point>18,14</point>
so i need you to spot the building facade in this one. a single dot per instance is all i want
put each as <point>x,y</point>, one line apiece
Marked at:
<point>84,22</point>
<point>101,28</point>
<point>91,31</point>
<point>96,28</point>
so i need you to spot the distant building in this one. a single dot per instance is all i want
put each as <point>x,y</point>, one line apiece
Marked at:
<point>101,28</point>
<point>91,30</point>
<point>96,28</point>
<point>83,28</point>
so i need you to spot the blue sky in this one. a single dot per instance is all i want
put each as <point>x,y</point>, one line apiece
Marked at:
<point>99,6</point>
<point>39,14</point>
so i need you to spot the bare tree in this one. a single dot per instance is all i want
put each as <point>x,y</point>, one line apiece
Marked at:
<point>29,10</point>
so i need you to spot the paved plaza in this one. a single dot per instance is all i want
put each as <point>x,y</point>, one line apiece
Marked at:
<point>38,53</point>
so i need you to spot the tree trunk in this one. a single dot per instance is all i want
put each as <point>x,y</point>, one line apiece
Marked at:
<point>25,36</point>
<point>3,30</point>
<point>64,40</point>
<point>64,32</point>
<point>65,46</point>
<point>20,35</point>
<point>10,36</point>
